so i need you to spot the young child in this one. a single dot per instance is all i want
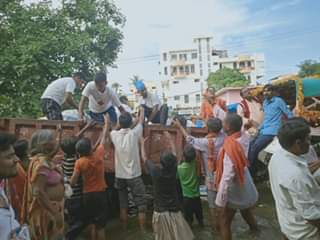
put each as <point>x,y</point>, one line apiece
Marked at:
<point>90,166</point>
<point>168,222</point>
<point>74,203</point>
<point>189,180</point>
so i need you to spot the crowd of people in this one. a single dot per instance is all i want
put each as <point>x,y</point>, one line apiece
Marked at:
<point>37,192</point>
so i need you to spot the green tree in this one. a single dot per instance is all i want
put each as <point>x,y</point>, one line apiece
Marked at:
<point>227,77</point>
<point>39,44</point>
<point>308,68</point>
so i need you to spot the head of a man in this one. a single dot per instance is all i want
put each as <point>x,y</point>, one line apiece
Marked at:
<point>100,81</point>
<point>8,158</point>
<point>21,148</point>
<point>125,120</point>
<point>43,142</point>
<point>211,94</point>
<point>214,125</point>
<point>141,88</point>
<point>83,147</point>
<point>268,91</point>
<point>232,123</point>
<point>189,153</point>
<point>294,136</point>
<point>246,94</point>
<point>124,100</point>
<point>79,79</point>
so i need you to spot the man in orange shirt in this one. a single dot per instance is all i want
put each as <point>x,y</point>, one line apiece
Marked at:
<point>90,166</point>
<point>212,106</point>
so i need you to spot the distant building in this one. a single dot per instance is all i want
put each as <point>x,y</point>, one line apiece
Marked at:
<point>183,73</point>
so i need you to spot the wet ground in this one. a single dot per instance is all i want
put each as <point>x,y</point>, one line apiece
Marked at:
<point>265,212</point>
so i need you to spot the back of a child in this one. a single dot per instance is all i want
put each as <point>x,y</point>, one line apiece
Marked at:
<point>189,180</point>
<point>90,166</point>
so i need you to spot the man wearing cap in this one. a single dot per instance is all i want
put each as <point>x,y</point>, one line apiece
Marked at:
<point>101,98</point>
<point>58,93</point>
<point>155,111</point>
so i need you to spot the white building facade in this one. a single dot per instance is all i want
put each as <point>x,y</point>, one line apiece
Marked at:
<point>183,73</point>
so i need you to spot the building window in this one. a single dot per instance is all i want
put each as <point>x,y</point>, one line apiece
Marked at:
<point>186,98</point>
<point>234,65</point>
<point>201,72</point>
<point>242,65</point>
<point>176,98</point>
<point>164,56</point>
<point>197,98</point>
<point>200,65</point>
<point>220,66</point>
<point>194,55</point>
<point>174,71</point>
<point>183,57</point>
<point>174,57</point>
<point>215,63</point>
<point>249,78</point>
<point>249,64</point>
<point>165,71</point>
<point>197,80</point>
<point>186,69</point>
<point>192,68</point>
<point>175,82</point>
<point>181,70</point>
<point>208,57</point>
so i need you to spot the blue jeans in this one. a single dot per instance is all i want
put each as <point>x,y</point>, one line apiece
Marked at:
<point>256,145</point>
<point>98,117</point>
<point>161,116</point>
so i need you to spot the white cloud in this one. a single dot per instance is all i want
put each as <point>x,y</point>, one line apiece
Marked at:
<point>284,4</point>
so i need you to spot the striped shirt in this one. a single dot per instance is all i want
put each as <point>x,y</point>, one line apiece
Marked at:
<point>68,167</point>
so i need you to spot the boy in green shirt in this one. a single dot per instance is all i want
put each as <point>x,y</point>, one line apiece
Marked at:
<point>189,180</point>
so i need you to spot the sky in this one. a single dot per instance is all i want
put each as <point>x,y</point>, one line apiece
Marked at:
<point>286,31</point>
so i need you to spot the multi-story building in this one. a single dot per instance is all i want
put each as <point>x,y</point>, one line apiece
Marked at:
<point>183,73</point>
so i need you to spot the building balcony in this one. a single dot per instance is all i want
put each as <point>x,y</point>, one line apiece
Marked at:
<point>246,69</point>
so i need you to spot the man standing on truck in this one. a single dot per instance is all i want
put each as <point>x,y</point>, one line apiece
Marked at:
<point>155,111</point>
<point>212,106</point>
<point>275,109</point>
<point>101,100</point>
<point>58,93</point>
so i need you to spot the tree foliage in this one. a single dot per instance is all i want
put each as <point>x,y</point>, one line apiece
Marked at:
<point>309,67</point>
<point>227,77</point>
<point>38,44</point>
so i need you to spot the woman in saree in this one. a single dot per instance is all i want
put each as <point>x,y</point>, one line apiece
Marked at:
<point>44,195</point>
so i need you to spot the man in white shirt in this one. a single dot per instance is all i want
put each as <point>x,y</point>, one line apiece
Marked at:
<point>101,100</point>
<point>58,93</point>
<point>295,190</point>
<point>155,111</point>
<point>8,169</point>
<point>128,166</point>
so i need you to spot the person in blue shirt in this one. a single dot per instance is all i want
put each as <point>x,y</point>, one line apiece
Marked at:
<point>275,111</point>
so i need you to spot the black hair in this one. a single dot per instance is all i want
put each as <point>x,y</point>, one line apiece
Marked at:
<point>242,90</point>
<point>21,147</point>
<point>123,99</point>
<point>79,75</point>
<point>6,140</point>
<point>234,121</point>
<point>68,146</point>
<point>214,125</point>
<point>100,77</point>
<point>292,130</point>
<point>270,87</point>
<point>168,162</point>
<point>83,147</point>
<point>182,120</point>
<point>189,153</point>
<point>125,120</point>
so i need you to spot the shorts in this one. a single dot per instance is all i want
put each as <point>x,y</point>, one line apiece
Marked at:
<point>138,191</point>
<point>94,206</point>
<point>98,117</point>
<point>51,109</point>
<point>212,195</point>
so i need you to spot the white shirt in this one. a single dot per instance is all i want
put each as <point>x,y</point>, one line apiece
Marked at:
<point>150,101</point>
<point>127,156</point>
<point>296,193</point>
<point>7,219</point>
<point>218,112</point>
<point>100,101</point>
<point>57,89</point>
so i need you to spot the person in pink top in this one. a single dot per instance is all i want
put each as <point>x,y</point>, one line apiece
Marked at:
<point>236,190</point>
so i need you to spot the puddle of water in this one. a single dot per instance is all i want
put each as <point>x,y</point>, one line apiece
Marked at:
<point>265,214</point>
